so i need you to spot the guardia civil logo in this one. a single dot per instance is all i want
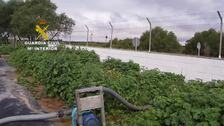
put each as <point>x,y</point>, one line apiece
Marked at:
<point>41,29</point>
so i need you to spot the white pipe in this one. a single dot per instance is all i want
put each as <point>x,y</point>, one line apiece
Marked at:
<point>34,117</point>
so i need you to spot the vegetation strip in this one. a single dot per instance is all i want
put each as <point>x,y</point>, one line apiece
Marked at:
<point>175,101</point>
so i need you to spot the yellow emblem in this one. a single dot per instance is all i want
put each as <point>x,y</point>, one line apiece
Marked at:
<point>42,32</point>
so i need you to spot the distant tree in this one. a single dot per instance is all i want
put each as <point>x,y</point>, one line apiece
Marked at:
<point>209,43</point>
<point>7,9</point>
<point>2,21</point>
<point>122,43</point>
<point>63,24</point>
<point>27,17</point>
<point>162,41</point>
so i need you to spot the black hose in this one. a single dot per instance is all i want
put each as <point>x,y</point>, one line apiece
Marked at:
<point>68,112</point>
<point>125,102</point>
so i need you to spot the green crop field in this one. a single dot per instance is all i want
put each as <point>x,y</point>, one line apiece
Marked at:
<point>175,102</point>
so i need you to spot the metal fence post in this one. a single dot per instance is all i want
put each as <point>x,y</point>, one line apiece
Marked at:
<point>111,37</point>
<point>150,33</point>
<point>220,43</point>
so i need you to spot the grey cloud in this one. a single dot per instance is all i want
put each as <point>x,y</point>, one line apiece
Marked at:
<point>128,16</point>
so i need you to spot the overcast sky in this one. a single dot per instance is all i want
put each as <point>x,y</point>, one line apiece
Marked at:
<point>183,17</point>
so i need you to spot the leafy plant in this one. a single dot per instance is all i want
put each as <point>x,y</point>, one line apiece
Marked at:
<point>175,102</point>
<point>6,49</point>
<point>118,65</point>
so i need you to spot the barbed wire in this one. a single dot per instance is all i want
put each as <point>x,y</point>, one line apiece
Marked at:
<point>146,27</point>
<point>187,22</point>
